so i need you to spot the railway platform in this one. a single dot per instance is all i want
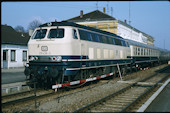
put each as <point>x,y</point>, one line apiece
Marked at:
<point>162,102</point>
<point>12,79</point>
<point>159,101</point>
<point>11,70</point>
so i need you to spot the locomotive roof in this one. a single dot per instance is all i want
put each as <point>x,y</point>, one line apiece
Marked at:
<point>131,42</point>
<point>65,23</point>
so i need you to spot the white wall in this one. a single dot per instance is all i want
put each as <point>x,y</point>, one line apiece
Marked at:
<point>131,34</point>
<point>19,55</point>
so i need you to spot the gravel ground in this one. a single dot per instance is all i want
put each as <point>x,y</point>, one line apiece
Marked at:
<point>80,96</point>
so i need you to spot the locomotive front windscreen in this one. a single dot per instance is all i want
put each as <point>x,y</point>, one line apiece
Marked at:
<point>56,33</point>
<point>53,33</point>
<point>39,34</point>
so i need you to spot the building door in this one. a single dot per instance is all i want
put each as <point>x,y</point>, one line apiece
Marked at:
<point>5,58</point>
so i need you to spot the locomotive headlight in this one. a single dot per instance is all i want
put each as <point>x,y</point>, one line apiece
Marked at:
<point>33,58</point>
<point>59,58</point>
<point>53,58</point>
<point>27,65</point>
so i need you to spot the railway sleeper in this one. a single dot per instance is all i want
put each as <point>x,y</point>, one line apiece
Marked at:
<point>120,101</point>
<point>113,106</point>
<point>125,98</point>
<point>105,109</point>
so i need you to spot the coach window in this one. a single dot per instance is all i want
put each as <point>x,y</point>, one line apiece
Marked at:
<point>147,52</point>
<point>141,51</point>
<point>134,50</point>
<point>138,51</point>
<point>144,52</point>
<point>75,34</point>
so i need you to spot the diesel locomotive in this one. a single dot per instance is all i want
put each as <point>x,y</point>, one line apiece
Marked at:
<point>61,52</point>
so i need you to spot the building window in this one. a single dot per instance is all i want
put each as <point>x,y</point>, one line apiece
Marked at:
<point>5,55</point>
<point>24,56</point>
<point>13,54</point>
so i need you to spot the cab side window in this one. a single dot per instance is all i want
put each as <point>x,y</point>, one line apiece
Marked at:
<point>75,34</point>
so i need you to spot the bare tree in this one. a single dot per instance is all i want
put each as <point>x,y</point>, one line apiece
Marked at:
<point>19,28</point>
<point>34,24</point>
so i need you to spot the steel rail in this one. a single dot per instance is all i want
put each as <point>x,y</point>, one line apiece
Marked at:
<point>14,94</point>
<point>143,94</point>
<point>85,107</point>
<point>25,99</point>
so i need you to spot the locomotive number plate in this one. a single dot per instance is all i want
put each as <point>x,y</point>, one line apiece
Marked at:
<point>44,48</point>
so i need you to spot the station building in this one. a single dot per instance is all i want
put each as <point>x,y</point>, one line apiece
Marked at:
<point>103,21</point>
<point>14,50</point>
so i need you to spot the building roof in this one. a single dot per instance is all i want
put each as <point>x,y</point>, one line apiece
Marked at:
<point>92,16</point>
<point>127,25</point>
<point>10,36</point>
<point>100,16</point>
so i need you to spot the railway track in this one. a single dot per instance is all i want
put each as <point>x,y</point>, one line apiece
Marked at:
<point>25,96</point>
<point>126,98</point>
<point>22,97</point>
<point>9,100</point>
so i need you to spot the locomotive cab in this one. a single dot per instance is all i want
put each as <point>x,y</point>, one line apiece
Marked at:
<point>48,47</point>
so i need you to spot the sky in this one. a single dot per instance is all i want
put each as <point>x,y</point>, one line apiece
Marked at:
<point>150,17</point>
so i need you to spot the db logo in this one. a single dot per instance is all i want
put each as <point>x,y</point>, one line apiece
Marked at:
<point>44,48</point>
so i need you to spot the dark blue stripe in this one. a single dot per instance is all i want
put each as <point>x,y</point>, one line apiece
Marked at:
<point>47,58</point>
<point>75,57</point>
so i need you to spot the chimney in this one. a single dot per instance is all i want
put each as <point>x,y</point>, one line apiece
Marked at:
<point>81,14</point>
<point>104,10</point>
<point>125,20</point>
<point>30,32</point>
